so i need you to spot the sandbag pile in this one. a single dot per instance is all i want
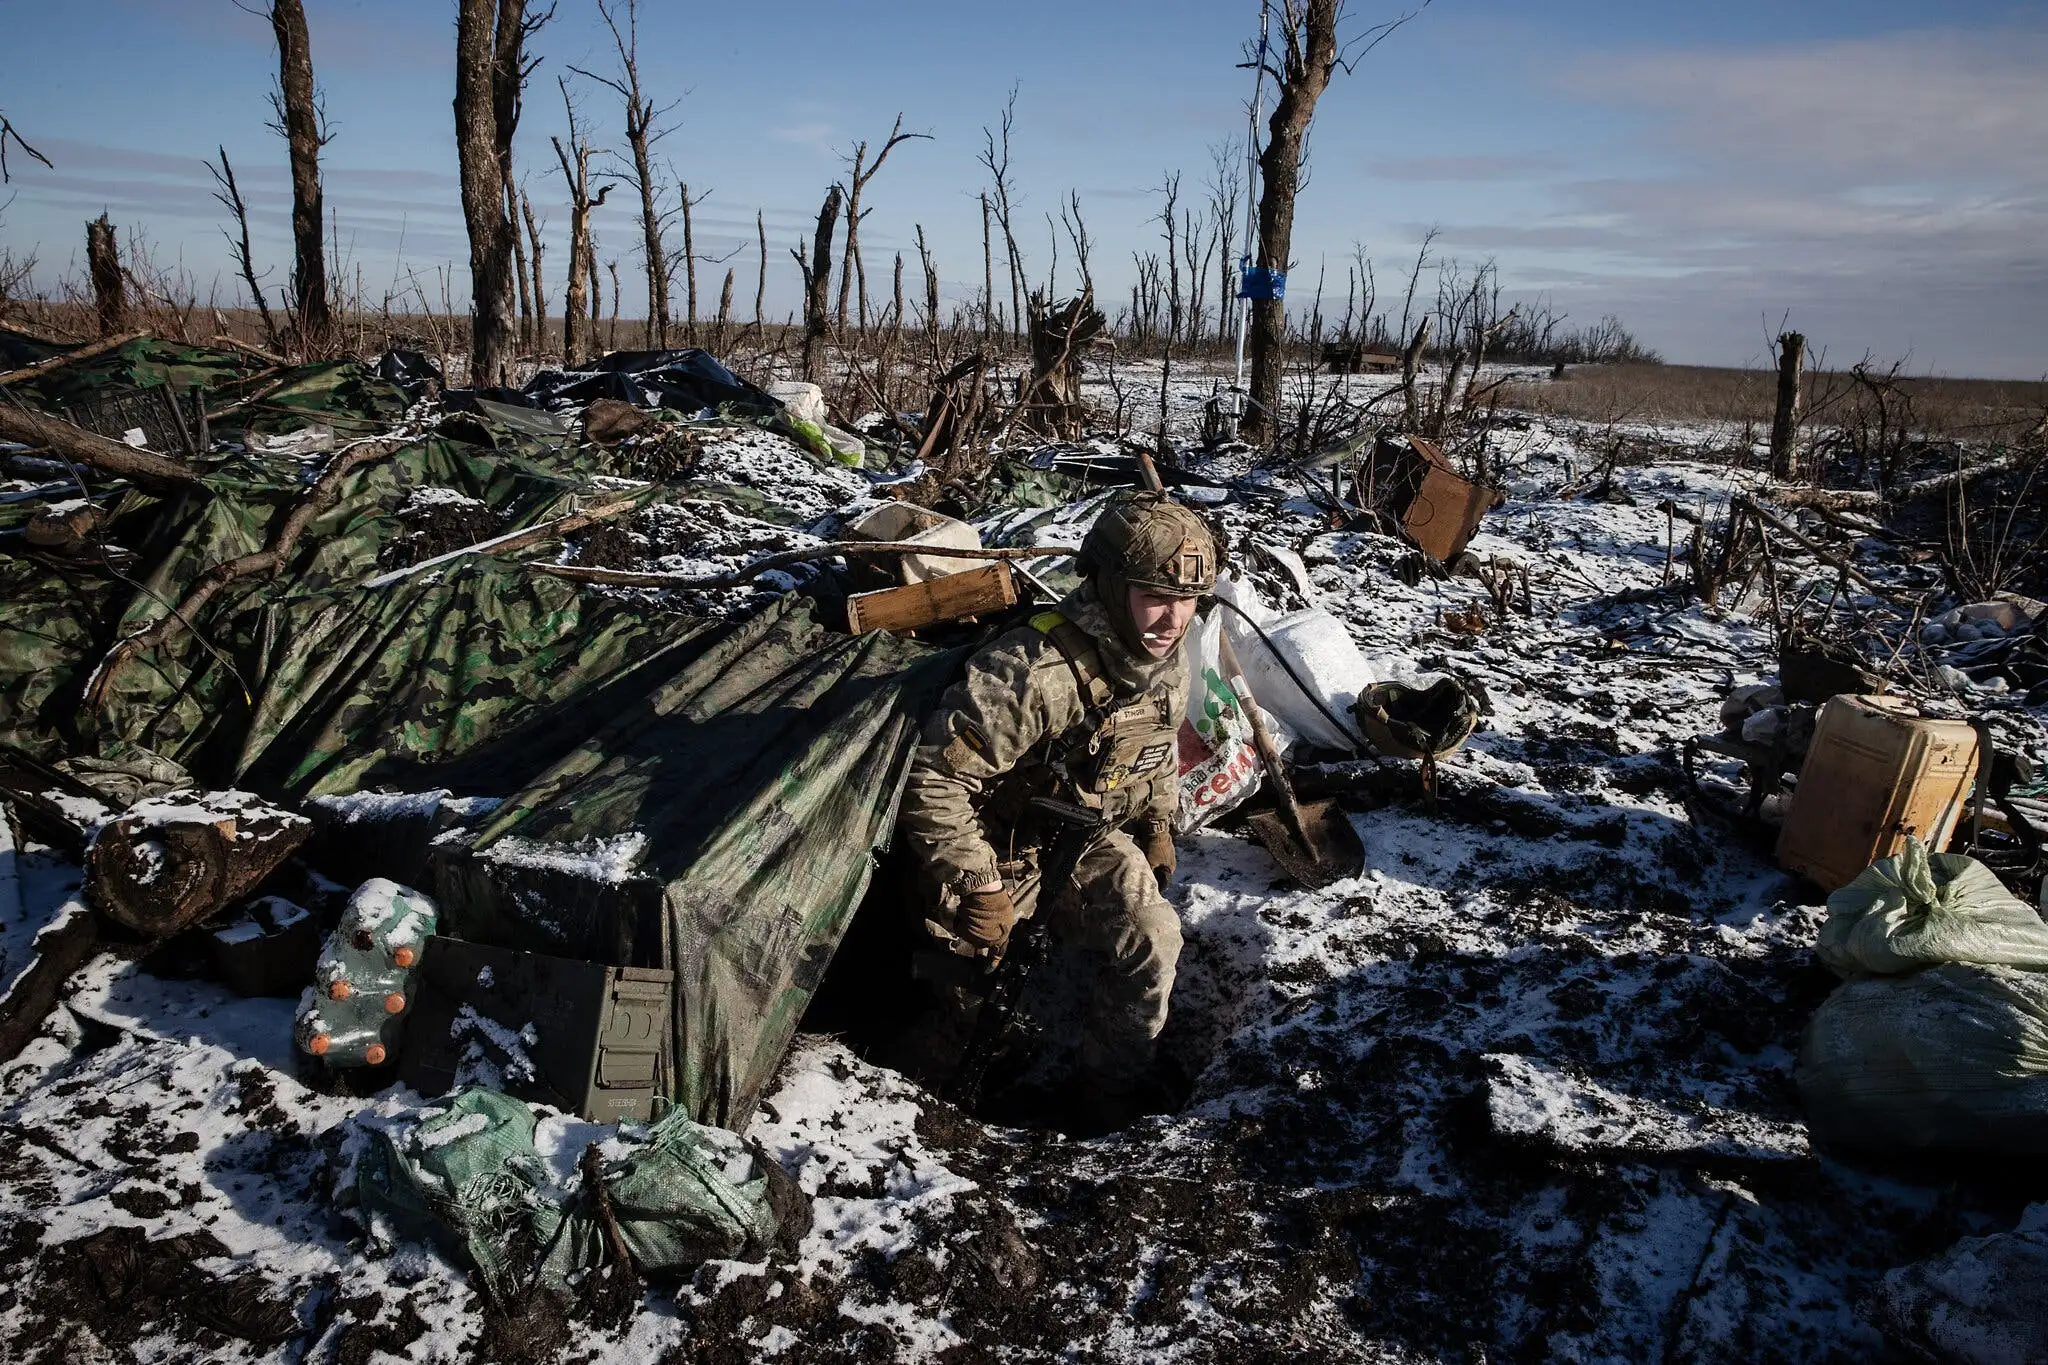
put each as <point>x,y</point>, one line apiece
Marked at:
<point>1939,1036</point>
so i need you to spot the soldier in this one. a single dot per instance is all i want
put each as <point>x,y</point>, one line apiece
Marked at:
<point>1083,704</point>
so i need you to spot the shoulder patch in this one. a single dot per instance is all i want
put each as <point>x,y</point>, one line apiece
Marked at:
<point>969,746</point>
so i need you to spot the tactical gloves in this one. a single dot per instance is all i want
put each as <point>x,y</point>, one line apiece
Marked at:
<point>1159,855</point>
<point>985,919</point>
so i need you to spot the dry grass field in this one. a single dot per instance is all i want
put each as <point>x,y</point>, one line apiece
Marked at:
<point>1976,410</point>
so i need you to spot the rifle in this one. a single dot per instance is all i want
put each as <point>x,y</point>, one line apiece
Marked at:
<point>1079,828</point>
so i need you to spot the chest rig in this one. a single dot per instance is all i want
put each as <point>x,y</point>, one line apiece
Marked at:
<point>1122,745</point>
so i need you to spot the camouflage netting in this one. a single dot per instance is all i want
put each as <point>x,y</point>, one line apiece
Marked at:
<point>683,792</point>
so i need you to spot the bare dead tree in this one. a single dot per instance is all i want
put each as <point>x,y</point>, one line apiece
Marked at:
<point>575,162</point>
<point>689,261</point>
<point>301,120</point>
<point>519,267</point>
<point>540,295</point>
<point>1226,185</point>
<point>109,284</point>
<point>8,133</point>
<point>817,271</point>
<point>863,171</point>
<point>642,132</point>
<point>995,156</point>
<point>1310,52</point>
<point>490,73</point>
<point>988,274</point>
<point>230,196</point>
<point>1169,189</point>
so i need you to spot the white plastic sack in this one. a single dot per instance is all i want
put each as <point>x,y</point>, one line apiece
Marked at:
<point>1219,765</point>
<point>1918,908</point>
<point>1320,651</point>
<point>1949,1056</point>
<point>805,402</point>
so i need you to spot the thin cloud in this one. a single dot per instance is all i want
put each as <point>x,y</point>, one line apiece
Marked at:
<point>1467,168</point>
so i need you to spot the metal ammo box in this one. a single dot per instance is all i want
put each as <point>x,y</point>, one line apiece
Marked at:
<point>596,1037</point>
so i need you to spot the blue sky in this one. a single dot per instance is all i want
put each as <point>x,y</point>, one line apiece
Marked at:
<point>1876,169</point>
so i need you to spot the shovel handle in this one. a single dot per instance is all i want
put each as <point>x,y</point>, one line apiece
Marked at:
<point>1262,738</point>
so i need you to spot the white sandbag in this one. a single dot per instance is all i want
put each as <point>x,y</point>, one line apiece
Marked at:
<point>1949,1056</point>
<point>906,521</point>
<point>1918,908</point>
<point>1322,655</point>
<point>1219,765</point>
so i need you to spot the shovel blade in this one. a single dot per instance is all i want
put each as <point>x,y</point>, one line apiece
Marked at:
<point>1333,851</point>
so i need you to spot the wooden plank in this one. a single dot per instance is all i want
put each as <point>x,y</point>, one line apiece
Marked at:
<point>956,595</point>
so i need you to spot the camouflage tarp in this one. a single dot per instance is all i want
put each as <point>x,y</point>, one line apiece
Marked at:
<point>724,826</point>
<point>702,796</point>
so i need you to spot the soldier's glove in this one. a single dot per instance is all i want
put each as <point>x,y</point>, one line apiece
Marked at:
<point>1159,854</point>
<point>985,919</point>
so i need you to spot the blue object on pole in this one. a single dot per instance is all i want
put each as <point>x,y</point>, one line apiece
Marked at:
<point>1257,282</point>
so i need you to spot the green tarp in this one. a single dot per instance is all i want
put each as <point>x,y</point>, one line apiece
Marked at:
<point>700,795</point>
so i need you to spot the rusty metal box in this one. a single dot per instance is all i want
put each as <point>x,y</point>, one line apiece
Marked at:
<point>1412,481</point>
<point>1875,773</point>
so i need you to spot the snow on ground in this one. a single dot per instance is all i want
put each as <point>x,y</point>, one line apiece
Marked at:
<point>1521,1091</point>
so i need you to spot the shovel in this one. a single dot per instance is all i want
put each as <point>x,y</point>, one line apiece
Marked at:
<point>1313,841</point>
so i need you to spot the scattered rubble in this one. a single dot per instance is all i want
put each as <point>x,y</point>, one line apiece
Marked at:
<point>1526,1088</point>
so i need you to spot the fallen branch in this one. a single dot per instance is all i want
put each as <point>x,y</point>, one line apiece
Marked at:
<point>60,949</point>
<point>268,560</point>
<point>275,362</point>
<point>1889,596</point>
<point>520,540</point>
<point>58,362</point>
<point>625,578</point>
<point>1864,500</point>
<point>67,441</point>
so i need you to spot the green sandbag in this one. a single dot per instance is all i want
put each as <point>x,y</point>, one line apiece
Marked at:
<point>470,1179</point>
<point>1919,909</point>
<point>1949,1056</point>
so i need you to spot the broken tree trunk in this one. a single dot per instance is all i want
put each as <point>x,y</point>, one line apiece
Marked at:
<point>488,38</point>
<point>103,264</point>
<point>172,861</point>
<point>1059,335</point>
<point>27,999</point>
<point>1411,361</point>
<point>301,119</point>
<point>144,468</point>
<point>817,288</point>
<point>1785,420</point>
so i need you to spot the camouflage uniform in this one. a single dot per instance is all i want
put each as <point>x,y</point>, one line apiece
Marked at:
<point>1017,726</point>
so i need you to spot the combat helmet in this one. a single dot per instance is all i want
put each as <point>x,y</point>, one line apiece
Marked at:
<point>1147,540</point>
